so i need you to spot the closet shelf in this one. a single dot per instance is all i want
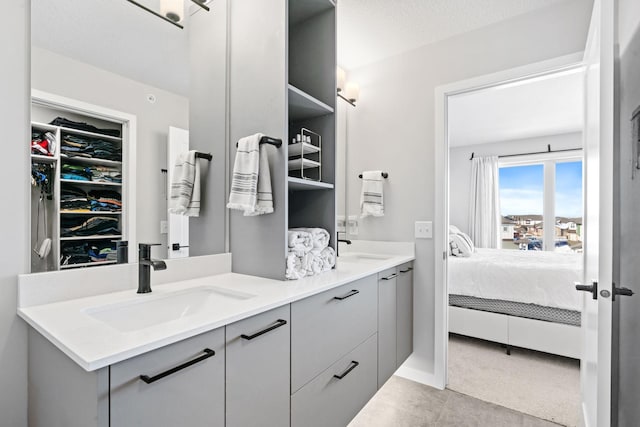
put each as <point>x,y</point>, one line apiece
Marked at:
<point>95,213</point>
<point>301,184</point>
<point>300,148</point>
<point>301,11</point>
<point>90,161</point>
<point>92,183</point>
<point>87,264</point>
<point>302,163</point>
<point>93,237</point>
<point>43,159</point>
<point>44,127</point>
<point>303,106</point>
<point>89,134</point>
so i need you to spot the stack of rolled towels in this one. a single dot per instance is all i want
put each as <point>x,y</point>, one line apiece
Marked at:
<point>309,253</point>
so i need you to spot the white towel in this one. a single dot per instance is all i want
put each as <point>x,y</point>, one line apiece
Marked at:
<point>327,256</point>
<point>185,185</point>
<point>299,241</point>
<point>319,236</point>
<point>371,200</point>
<point>295,269</point>
<point>251,182</point>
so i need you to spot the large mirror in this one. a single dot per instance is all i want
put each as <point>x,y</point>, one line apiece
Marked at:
<point>110,57</point>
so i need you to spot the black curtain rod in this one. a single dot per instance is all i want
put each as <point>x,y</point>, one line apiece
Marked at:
<point>384,175</point>
<point>549,150</point>
<point>268,140</point>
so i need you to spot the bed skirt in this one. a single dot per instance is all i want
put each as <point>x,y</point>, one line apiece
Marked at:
<point>519,309</point>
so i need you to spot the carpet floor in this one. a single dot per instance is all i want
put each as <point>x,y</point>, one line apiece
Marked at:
<point>539,384</point>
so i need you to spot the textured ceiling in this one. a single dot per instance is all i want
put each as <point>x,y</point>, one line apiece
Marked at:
<point>371,30</point>
<point>536,107</point>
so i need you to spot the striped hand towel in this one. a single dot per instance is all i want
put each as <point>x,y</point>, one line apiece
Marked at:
<point>371,200</point>
<point>185,186</point>
<point>251,182</point>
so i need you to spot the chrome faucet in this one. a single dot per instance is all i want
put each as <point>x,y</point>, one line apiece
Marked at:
<point>145,263</point>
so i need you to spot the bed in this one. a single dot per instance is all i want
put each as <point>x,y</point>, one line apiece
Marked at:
<point>518,298</point>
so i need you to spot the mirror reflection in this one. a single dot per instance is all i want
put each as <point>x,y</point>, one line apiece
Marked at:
<point>110,116</point>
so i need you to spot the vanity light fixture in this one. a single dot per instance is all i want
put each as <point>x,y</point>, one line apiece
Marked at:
<point>171,11</point>
<point>349,91</point>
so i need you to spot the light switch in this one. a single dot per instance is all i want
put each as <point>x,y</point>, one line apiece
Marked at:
<point>164,227</point>
<point>424,230</point>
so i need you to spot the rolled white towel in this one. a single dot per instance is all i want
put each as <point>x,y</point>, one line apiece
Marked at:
<point>295,269</point>
<point>319,236</point>
<point>312,263</point>
<point>328,257</point>
<point>300,241</point>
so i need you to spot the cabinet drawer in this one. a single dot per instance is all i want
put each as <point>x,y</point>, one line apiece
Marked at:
<point>328,401</point>
<point>191,396</point>
<point>258,370</point>
<point>329,325</point>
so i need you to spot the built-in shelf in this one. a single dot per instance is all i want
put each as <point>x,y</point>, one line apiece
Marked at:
<point>298,164</point>
<point>93,237</point>
<point>301,184</point>
<point>87,264</point>
<point>303,106</point>
<point>90,161</point>
<point>92,183</point>
<point>89,134</point>
<point>44,127</point>
<point>43,159</point>
<point>93,213</point>
<point>302,148</point>
<point>300,11</point>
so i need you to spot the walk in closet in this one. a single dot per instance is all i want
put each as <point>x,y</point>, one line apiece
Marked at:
<point>283,84</point>
<point>78,212</point>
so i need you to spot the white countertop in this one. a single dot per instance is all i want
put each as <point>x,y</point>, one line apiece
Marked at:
<point>93,344</point>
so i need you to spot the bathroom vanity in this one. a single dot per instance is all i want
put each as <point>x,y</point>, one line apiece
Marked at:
<point>221,349</point>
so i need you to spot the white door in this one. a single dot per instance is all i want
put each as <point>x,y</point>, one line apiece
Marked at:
<point>598,218</point>
<point>178,238</point>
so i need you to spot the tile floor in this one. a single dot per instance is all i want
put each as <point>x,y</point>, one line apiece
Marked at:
<point>404,403</point>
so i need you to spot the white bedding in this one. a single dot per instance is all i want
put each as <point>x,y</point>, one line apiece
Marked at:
<point>535,277</point>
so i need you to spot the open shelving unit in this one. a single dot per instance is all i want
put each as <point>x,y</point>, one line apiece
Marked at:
<point>296,91</point>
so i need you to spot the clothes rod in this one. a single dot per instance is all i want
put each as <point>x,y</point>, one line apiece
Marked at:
<point>206,156</point>
<point>384,175</point>
<point>549,150</point>
<point>268,140</point>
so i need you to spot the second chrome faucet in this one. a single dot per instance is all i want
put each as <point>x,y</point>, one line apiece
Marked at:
<point>145,263</point>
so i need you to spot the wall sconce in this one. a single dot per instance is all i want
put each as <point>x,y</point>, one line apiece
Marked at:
<point>171,11</point>
<point>350,90</point>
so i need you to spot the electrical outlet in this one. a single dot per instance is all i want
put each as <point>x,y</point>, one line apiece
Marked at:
<point>424,230</point>
<point>164,227</point>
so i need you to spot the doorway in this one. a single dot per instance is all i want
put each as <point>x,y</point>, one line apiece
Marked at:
<point>546,341</point>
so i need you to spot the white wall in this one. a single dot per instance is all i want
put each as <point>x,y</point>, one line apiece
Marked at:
<point>65,76</point>
<point>393,127</point>
<point>460,167</point>
<point>14,228</point>
<point>626,229</point>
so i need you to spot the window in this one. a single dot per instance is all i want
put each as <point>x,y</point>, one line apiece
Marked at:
<point>541,204</point>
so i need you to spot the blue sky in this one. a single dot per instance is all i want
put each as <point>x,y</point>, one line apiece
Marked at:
<point>521,189</point>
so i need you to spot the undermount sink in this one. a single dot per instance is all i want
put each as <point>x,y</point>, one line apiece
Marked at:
<point>363,257</point>
<point>150,310</point>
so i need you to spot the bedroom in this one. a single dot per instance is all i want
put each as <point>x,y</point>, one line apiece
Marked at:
<point>515,204</point>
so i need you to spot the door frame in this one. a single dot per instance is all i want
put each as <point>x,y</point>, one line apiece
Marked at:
<point>441,217</point>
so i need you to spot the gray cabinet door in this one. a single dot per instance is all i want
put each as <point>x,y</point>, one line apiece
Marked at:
<point>258,375</point>
<point>404,327</point>
<point>386,325</point>
<point>330,401</point>
<point>326,326</point>
<point>189,397</point>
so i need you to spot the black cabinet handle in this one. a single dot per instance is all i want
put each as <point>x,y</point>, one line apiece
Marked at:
<point>353,366</point>
<point>407,270</point>
<point>347,295</point>
<point>276,325</point>
<point>207,354</point>
<point>393,276</point>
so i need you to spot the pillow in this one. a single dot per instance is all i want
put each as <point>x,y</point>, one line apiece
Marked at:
<point>461,245</point>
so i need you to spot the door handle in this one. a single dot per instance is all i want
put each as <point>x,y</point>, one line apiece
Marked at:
<point>626,292</point>
<point>593,288</point>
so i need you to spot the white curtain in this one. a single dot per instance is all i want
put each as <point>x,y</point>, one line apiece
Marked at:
<point>484,207</point>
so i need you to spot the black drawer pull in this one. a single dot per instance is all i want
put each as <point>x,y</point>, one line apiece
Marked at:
<point>347,295</point>
<point>407,270</point>
<point>207,354</point>
<point>276,325</point>
<point>353,366</point>
<point>393,276</point>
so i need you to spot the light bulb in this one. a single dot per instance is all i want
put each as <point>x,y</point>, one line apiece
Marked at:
<point>172,9</point>
<point>341,78</point>
<point>352,92</point>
